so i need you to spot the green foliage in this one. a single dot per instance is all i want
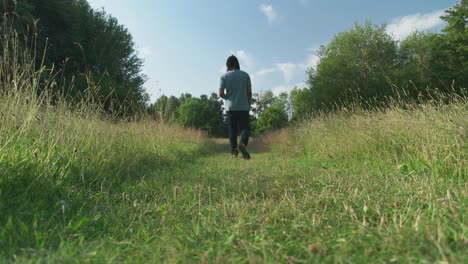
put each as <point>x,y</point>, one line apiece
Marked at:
<point>85,48</point>
<point>360,186</point>
<point>415,54</point>
<point>365,66</point>
<point>356,64</point>
<point>202,113</point>
<point>274,117</point>
<point>456,44</point>
<point>75,187</point>
<point>63,165</point>
<point>190,113</point>
<point>414,77</point>
<point>301,103</point>
<point>436,61</point>
<point>165,108</point>
<point>214,118</point>
<point>262,101</point>
<point>158,109</point>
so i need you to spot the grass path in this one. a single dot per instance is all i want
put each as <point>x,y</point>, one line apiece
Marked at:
<point>369,187</point>
<point>274,208</point>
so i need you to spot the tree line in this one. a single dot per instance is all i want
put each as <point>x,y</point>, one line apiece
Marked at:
<point>207,112</point>
<point>87,49</point>
<point>364,65</point>
<point>367,65</point>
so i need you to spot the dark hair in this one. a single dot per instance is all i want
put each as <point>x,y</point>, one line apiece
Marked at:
<point>233,62</point>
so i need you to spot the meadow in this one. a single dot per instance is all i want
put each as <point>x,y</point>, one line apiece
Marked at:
<point>350,187</point>
<point>77,185</point>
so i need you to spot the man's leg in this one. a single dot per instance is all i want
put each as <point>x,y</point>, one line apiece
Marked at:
<point>233,130</point>
<point>245,131</point>
<point>244,126</point>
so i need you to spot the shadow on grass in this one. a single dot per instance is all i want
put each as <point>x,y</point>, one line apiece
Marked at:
<point>41,206</point>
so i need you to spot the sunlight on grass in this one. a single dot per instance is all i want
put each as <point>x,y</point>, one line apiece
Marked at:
<point>354,186</point>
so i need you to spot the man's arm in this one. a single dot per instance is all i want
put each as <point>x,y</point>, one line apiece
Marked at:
<point>222,94</point>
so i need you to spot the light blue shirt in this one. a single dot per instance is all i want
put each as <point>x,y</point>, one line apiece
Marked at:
<point>235,83</point>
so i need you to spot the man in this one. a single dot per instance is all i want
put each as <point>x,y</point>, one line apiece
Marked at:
<point>236,89</point>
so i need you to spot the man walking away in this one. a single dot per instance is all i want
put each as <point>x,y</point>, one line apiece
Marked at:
<point>236,89</point>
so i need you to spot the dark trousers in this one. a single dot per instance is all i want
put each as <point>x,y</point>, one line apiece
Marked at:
<point>238,121</point>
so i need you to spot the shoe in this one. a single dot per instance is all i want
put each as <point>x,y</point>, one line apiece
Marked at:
<point>244,152</point>
<point>235,154</point>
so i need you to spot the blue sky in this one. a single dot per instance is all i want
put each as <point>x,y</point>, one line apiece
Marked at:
<point>185,43</point>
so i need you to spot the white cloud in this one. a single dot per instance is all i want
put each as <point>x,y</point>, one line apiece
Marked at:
<point>292,72</point>
<point>288,70</point>
<point>313,58</point>
<point>270,12</point>
<point>265,71</point>
<point>244,58</point>
<point>145,51</point>
<point>402,27</point>
<point>287,88</point>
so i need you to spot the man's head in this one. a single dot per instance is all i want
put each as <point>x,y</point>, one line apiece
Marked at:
<point>232,63</point>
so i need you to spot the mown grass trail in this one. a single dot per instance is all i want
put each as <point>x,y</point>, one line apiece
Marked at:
<point>350,187</point>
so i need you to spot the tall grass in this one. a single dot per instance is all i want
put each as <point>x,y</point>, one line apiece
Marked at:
<point>351,186</point>
<point>430,133</point>
<point>393,181</point>
<point>58,160</point>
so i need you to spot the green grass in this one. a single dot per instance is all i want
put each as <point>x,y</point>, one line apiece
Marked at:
<point>349,187</point>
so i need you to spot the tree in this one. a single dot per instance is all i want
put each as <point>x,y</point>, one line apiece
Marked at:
<point>108,57</point>
<point>213,113</point>
<point>262,101</point>
<point>158,109</point>
<point>190,113</point>
<point>301,103</point>
<point>87,48</point>
<point>275,115</point>
<point>171,109</point>
<point>415,74</point>
<point>456,45</point>
<point>430,61</point>
<point>272,118</point>
<point>202,113</point>
<point>356,64</point>
<point>18,15</point>
<point>183,97</point>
